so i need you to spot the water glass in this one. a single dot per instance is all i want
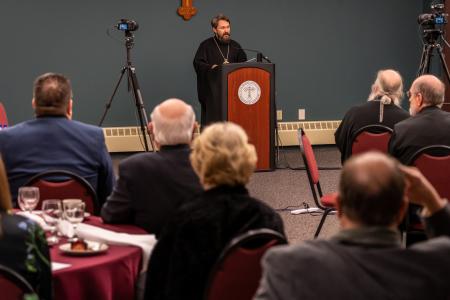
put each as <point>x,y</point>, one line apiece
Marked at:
<point>74,213</point>
<point>52,212</point>
<point>28,198</point>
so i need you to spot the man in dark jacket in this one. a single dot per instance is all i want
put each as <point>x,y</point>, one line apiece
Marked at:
<point>151,186</point>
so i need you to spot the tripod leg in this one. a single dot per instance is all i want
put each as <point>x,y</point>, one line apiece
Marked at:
<point>427,59</point>
<point>139,106</point>
<point>108,104</point>
<point>444,64</point>
<point>422,61</point>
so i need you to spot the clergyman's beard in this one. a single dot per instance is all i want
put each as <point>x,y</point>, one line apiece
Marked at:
<point>224,40</point>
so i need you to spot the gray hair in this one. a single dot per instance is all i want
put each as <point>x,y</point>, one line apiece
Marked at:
<point>173,130</point>
<point>390,87</point>
<point>433,92</point>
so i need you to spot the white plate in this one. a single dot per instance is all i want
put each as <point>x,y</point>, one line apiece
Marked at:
<point>94,248</point>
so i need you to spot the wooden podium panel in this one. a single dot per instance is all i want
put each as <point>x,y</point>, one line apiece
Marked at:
<point>254,118</point>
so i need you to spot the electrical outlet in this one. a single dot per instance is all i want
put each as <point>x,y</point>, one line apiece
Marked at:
<point>279,115</point>
<point>301,114</point>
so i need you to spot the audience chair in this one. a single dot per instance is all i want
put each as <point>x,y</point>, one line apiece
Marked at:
<point>371,138</point>
<point>237,272</point>
<point>13,286</point>
<point>3,118</point>
<point>327,202</point>
<point>60,184</point>
<point>434,163</point>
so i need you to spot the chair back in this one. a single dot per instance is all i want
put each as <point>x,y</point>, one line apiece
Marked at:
<point>371,138</point>
<point>434,163</point>
<point>237,272</point>
<point>3,118</point>
<point>13,286</point>
<point>60,184</point>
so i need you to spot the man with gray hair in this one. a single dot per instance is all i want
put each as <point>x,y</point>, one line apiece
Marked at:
<point>382,108</point>
<point>151,186</point>
<point>429,124</point>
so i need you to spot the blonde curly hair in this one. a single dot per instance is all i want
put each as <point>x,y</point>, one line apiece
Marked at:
<point>221,155</point>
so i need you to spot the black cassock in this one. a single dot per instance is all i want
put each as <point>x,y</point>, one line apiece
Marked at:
<point>208,55</point>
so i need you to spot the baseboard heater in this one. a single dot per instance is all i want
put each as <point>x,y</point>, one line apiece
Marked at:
<point>129,139</point>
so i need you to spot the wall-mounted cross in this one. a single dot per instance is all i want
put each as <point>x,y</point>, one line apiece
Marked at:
<point>186,10</point>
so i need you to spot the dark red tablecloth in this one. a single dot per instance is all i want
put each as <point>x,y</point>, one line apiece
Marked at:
<point>107,276</point>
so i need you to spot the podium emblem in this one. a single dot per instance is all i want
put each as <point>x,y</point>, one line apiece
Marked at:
<point>249,92</point>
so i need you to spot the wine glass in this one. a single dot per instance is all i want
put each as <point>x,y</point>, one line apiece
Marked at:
<point>28,198</point>
<point>52,212</point>
<point>74,213</point>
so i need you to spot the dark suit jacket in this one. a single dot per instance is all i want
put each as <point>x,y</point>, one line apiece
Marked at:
<point>150,187</point>
<point>194,238</point>
<point>23,248</point>
<point>431,126</point>
<point>363,115</point>
<point>55,142</point>
<point>359,267</point>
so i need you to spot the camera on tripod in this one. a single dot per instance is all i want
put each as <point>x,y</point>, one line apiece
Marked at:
<point>437,17</point>
<point>127,25</point>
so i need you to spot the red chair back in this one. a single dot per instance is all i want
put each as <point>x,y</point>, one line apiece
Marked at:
<point>308,156</point>
<point>13,286</point>
<point>238,271</point>
<point>371,138</point>
<point>434,163</point>
<point>61,184</point>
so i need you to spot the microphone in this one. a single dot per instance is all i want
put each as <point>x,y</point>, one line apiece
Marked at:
<point>259,54</point>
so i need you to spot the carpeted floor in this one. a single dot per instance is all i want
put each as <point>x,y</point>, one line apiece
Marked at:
<point>289,188</point>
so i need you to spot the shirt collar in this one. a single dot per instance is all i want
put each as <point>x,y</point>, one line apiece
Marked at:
<point>371,236</point>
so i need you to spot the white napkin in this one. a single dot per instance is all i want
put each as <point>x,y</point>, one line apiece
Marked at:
<point>65,228</point>
<point>38,219</point>
<point>144,241</point>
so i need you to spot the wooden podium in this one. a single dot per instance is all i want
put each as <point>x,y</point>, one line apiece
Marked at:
<point>245,94</point>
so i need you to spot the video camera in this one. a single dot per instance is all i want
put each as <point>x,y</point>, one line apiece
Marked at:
<point>437,17</point>
<point>127,25</point>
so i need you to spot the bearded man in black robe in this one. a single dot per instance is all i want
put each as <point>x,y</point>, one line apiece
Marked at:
<point>213,52</point>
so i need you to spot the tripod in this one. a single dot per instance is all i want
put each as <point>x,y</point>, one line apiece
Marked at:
<point>133,83</point>
<point>431,42</point>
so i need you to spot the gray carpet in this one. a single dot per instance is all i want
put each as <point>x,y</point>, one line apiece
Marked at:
<point>287,187</point>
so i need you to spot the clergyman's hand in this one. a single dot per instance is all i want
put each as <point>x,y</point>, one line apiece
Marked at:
<point>420,191</point>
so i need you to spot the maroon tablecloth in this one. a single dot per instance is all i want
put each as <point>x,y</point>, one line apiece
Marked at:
<point>106,276</point>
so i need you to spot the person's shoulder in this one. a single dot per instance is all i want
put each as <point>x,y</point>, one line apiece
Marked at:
<point>307,252</point>
<point>434,245</point>
<point>206,41</point>
<point>85,126</point>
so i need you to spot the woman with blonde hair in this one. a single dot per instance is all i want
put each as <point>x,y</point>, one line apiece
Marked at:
<point>193,239</point>
<point>23,247</point>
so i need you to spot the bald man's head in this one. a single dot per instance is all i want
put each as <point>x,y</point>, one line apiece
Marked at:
<point>371,190</point>
<point>173,122</point>
<point>431,88</point>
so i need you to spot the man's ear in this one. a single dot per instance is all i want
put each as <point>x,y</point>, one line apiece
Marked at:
<point>69,109</point>
<point>194,128</point>
<point>150,128</point>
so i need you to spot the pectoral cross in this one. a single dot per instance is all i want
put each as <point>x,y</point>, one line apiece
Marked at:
<point>186,10</point>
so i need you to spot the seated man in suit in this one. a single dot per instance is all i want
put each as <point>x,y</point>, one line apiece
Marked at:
<point>429,124</point>
<point>151,186</point>
<point>53,141</point>
<point>365,259</point>
<point>383,108</point>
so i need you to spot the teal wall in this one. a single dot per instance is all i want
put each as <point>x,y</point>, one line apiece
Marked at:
<point>326,52</point>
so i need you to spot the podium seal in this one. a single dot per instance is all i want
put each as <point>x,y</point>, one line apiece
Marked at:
<point>249,92</point>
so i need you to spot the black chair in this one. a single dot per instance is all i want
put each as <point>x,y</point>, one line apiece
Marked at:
<point>13,286</point>
<point>61,184</point>
<point>371,138</point>
<point>237,272</point>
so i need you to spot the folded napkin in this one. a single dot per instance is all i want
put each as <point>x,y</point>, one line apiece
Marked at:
<point>38,219</point>
<point>65,228</point>
<point>144,241</point>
